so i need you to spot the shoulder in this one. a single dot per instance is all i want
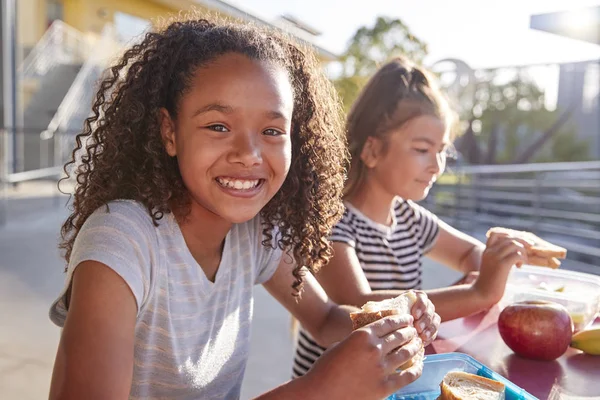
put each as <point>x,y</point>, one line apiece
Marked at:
<point>121,213</point>
<point>349,218</point>
<point>418,212</point>
<point>118,227</point>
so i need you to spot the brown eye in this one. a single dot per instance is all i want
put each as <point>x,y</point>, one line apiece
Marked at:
<point>272,132</point>
<point>218,128</point>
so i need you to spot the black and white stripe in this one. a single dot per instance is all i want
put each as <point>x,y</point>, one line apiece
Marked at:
<point>389,255</point>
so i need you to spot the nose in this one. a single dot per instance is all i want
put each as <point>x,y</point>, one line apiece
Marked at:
<point>246,150</point>
<point>438,163</point>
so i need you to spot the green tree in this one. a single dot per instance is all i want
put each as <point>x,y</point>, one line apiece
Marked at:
<point>509,123</point>
<point>369,48</point>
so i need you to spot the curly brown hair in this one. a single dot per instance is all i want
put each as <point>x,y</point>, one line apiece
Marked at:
<point>120,153</point>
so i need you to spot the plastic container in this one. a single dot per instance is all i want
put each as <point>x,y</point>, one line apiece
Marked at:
<point>578,292</point>
<point>436,366</point>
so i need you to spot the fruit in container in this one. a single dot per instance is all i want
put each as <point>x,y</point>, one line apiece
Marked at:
<point>587,341</point>
<point>579,321</point>
<point>540,330</point>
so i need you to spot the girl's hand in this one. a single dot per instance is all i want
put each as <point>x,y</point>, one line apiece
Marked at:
<point>427,321</point>
<point>501,253</point>
<point>364,365</point>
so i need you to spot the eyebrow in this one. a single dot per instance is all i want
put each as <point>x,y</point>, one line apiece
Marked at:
<point>275,115</point>
<point>230,110</point>
<point>424,139</point>
<point>213,107</point>
<point>429,141</point>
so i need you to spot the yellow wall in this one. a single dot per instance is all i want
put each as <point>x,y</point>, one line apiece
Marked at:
<point>31,21</point>
<point>91,15</point>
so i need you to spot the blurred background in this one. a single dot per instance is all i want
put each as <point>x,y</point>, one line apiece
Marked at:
<point>523,75</point>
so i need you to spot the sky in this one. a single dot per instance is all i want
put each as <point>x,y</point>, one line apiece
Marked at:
<point>483,33</point>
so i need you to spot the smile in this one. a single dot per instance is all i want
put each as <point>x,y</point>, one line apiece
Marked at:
<point>239,184</point>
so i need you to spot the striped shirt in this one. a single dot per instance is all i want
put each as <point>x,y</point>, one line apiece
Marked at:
<point>390,257</point>
<point>192,335</point>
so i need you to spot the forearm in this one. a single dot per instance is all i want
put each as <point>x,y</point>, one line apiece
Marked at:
<point>450,302</point>
<point>296,389</point>
<point>457,301</point>
<point>336,327</point>
<point>472,260</point>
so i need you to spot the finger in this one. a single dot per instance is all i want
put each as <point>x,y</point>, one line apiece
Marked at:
<point>422,323</point>
<point>397,339</point>
<point>430,333</point>
<point>402,355</point>
<point>400,379</point>
<point>495,237</point>
<point>420,307</point>
<point>502,245</point>
<point>503,241</point>
<point>389,324</point>
<point>518,258</point>
<point>525,242</point>
<point>510,249</point>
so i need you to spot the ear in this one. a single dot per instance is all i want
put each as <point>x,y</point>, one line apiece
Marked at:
<point>167,132</point>
<point>371,152</point>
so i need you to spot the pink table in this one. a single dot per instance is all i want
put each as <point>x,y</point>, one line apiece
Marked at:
<point>573,373</point>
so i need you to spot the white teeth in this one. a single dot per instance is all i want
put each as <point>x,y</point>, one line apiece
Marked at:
<point>238,183</point>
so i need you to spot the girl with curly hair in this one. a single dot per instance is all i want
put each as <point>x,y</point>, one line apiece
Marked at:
<point>214,160</point>
<point>399,132</point>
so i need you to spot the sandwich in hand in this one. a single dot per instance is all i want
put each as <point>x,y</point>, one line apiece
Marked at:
<point>539,252</point>
<point>375,310</point>
<point>458,385</point>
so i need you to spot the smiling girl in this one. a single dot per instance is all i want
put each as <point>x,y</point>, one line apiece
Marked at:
<point>212,162</point>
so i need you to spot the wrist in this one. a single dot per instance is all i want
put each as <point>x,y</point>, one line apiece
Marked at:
<point>336,327</point>
<point>482,296</point>
<point>297,389</point>
<point>472,260</point>
<point>311,386</point>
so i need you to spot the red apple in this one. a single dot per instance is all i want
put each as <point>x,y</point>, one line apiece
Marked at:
<point>541,330</point>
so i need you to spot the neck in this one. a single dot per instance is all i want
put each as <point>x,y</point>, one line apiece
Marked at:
<point>373,201</point>
<point>204,233</point>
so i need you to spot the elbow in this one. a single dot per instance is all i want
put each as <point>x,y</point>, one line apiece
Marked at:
<point>335,328</point>
<point>319,335</point>
<point>322,340</point>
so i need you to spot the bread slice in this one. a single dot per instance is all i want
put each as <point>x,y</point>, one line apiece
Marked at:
<point>458,385</point>
<point>551,262</point>
<point>375,310</point>
<point>539,252</point>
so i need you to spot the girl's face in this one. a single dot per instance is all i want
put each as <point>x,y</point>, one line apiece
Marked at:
<point>232,136</point>
<point>412,160</point>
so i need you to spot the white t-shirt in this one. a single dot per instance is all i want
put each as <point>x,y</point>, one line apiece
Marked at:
<point>192,336</point>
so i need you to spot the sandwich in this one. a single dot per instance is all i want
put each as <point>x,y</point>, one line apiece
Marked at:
<point>539,252</point>
<point>375,310</point>
<point>458,385</point>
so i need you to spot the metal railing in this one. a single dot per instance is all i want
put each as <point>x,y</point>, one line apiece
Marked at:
<point>9,179</point>
<point>559,201</point>
<point>56,140</point>
<point>76,105</point>
<point>60,44</point>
